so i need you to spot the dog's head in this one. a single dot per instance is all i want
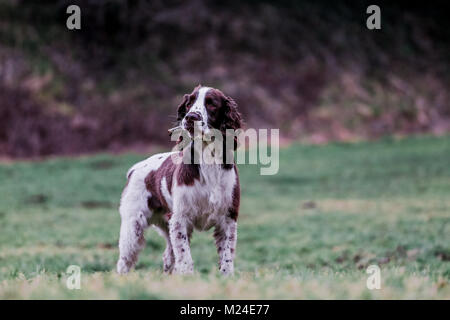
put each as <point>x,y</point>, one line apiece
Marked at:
<point>208,108</point>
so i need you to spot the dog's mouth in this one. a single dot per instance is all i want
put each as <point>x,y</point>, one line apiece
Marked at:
<point>189,130</point>
<point>195,129</point>
<point>189,126</point>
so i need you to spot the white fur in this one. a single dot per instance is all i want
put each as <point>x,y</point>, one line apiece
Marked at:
<point>203,205</point>
<point>205,202</point>
<point>165,192</point>
<point>199,107</point>
<point>134,211</point>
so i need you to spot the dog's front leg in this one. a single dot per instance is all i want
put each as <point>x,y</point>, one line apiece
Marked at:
<point>226,236</point>
<point>179,236</point>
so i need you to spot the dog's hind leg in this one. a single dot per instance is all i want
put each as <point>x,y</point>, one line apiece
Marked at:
<point>134,217</point>
<point>131,241</point>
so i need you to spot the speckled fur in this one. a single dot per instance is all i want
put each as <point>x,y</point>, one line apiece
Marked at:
<point>205,204</point>
<point>175,199</point>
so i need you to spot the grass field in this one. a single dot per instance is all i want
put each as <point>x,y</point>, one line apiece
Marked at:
<point>308,232</point>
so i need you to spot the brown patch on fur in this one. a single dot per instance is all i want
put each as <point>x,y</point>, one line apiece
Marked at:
<point>236,198</point>
<point>156,201</point>
<point>167,169</point>
<point>223,115</point>
<point>154,204</point>
<point>222,112</point>
<point>188,173</point>
<point>188,100</point>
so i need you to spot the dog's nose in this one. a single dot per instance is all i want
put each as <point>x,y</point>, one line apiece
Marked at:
<point>193,116</point>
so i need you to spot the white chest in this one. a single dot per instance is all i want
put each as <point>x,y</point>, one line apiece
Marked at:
<point>206,203</point>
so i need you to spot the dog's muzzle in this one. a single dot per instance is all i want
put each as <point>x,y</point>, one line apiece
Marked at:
<point>191,120</point>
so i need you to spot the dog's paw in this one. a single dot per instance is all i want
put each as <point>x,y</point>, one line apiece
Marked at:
<point>122,266</point>
<point>184,268</point>
<point>227,269</point>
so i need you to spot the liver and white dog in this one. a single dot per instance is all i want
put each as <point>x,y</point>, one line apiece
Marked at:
<point>176,197</point>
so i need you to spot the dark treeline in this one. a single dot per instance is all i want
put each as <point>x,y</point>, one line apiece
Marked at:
<point>310,68</point>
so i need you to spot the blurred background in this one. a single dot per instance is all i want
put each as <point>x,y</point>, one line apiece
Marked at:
<point>310,68</point>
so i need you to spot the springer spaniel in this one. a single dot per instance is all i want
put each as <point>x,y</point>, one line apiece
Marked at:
<point>176,197</point>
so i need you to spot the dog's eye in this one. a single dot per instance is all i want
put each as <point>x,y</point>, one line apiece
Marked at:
<point>209,104</point>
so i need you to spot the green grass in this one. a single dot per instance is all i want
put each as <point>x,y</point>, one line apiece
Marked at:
<point>308,232</point>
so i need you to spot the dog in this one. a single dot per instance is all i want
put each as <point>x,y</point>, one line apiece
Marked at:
<point>175,197</point>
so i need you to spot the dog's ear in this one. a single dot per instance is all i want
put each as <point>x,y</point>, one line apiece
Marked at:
<point>232,118</point>
<point>181,111</point>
